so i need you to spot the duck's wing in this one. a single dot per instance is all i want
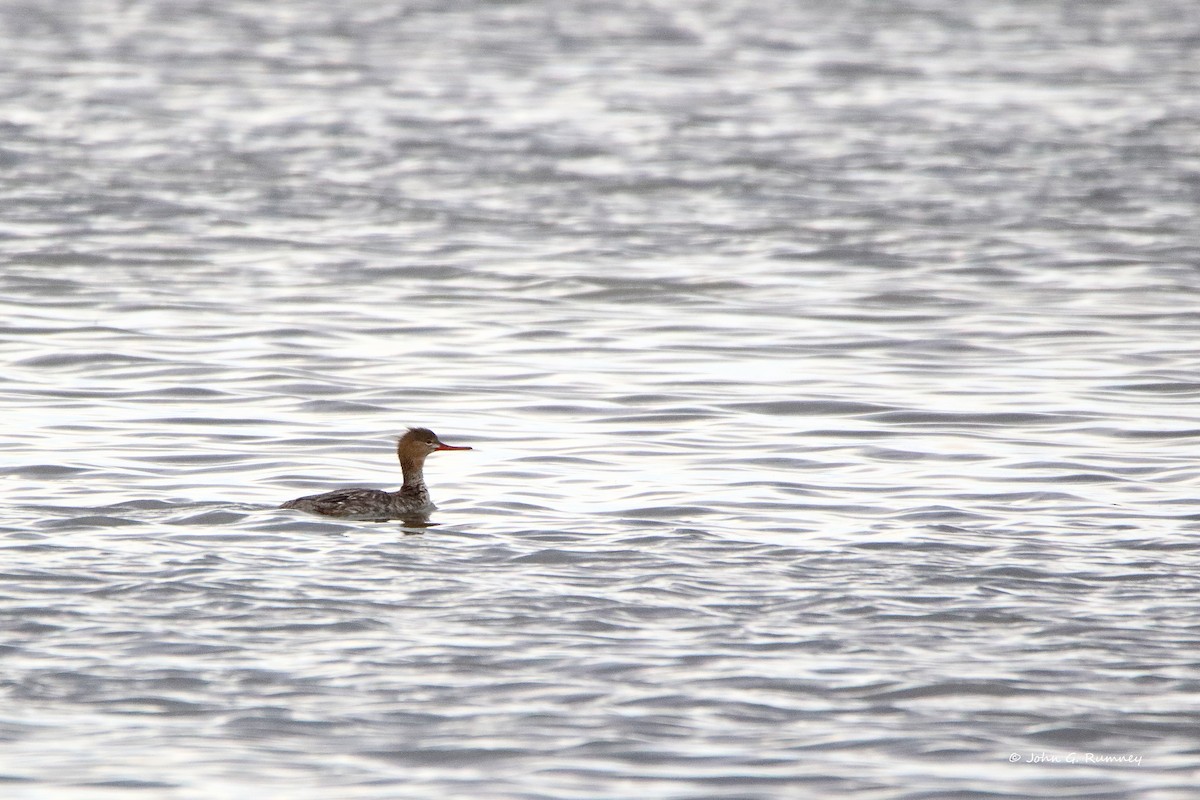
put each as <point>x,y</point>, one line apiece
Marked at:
<point>342,502</point>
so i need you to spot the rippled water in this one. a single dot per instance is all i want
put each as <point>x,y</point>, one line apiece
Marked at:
<point>830,369</point>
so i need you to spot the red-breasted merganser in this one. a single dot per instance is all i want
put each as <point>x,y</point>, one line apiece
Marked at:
<point>412,500</point>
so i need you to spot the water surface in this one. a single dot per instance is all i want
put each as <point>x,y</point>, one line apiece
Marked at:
<point>829,369</point>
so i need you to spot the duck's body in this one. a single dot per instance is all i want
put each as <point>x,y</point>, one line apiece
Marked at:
<point>364,504</point>
<point>411,500</point>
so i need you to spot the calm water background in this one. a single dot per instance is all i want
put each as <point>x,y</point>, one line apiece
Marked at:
<point>831,369</point>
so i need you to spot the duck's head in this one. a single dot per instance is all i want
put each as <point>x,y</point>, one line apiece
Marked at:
<point>420,442</point>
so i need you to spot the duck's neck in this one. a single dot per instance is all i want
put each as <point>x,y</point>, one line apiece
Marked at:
<point>414,472</point>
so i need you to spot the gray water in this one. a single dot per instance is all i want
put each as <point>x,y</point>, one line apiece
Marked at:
<point>831,370</point>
